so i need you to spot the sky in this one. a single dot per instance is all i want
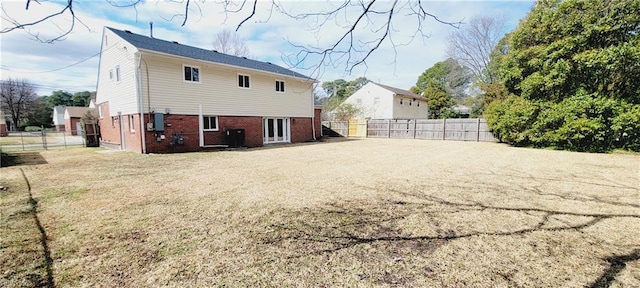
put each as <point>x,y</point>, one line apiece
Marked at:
<point>271,35</point>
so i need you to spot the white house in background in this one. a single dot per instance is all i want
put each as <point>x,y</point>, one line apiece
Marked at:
<point>377,101</point>
<point>58,117</point>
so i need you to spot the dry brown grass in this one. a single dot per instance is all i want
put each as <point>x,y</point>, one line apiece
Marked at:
<point>372,212</point>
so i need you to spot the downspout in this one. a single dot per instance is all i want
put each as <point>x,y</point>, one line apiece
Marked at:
<point>143,130</point>
<point>313,116</point>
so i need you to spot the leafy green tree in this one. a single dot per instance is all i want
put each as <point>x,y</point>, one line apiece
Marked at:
<point>341,89</point>
<point>575,68</point>
<point>39,113</point>
<point>81,99</point>
<point>453,77</point>
<point>439,100</point>
<point>60,98</point>
<point>564,46</point>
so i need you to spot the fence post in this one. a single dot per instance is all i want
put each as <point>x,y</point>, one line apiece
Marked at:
<point>44,137</point>
<point>64,138</point>
<point>22,140</point>
<point>444,129</point>
<point>388,128</point>
<point>478,136</point>
<point>415,125</point>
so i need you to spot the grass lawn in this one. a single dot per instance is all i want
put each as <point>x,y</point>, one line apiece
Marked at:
<point>361,213</point>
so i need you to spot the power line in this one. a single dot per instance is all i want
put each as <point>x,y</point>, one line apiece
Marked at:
<point>57,69</point>
<point>4,67</point>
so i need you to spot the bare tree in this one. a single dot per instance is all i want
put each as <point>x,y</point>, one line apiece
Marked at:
<point>349,48</point>
<point>472,46</point>
<point>229,42</point>
<point>15,99</point>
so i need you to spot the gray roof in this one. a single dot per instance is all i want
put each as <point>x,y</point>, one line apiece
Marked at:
<point>402,92</point>
<point>173,48</point>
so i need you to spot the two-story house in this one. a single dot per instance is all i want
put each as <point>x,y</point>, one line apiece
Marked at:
<point>378,101</point>
<point>157,96</point>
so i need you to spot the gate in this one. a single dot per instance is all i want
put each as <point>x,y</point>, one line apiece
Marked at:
<point>358,128</point>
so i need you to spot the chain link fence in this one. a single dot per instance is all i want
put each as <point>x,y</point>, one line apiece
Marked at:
<point>41,140</point>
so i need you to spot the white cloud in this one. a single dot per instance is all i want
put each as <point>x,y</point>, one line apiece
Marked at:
<point>266,39</point>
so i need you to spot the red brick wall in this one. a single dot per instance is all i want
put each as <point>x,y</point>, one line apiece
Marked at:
<point>133,139</point>
<point>109,129</point>
<point>188,125</point>
<point>3,130</point>
<point>253,131</point>
<point>59,128</point>
<point>301,129</point>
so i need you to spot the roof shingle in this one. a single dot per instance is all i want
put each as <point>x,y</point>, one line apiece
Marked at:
<point>173,48</point>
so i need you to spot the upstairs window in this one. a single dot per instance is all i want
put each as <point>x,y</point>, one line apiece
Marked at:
<point>243,81</point>
<point>279,86</point>
<point>117,73</point>
<point>111,74</point>
<point>191,74</point>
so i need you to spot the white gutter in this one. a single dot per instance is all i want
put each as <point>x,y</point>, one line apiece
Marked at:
<point>143,130</point>
<point>313,116</point>
<point>200,126</point>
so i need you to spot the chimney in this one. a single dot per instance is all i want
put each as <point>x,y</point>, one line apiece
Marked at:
<point>151,29</point>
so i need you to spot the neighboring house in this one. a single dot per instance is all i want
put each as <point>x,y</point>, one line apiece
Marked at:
<point>92,100</point>
<point>3,125</point>
<point>159,96</point>
<point>377,101</point>
<point>72,117</point>
<point>461,111</point>
<point>58,117</point>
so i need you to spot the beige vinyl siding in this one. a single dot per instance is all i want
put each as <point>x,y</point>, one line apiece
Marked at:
<point>120,95</point>
<point>409,112</point>
<point>218,90</point>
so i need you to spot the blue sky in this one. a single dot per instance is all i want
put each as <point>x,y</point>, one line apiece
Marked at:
<point>266,35</point>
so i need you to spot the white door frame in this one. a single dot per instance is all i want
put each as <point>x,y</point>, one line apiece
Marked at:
<point>286,134</point>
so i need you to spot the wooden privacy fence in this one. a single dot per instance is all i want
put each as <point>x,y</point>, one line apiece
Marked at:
<point>432,129</point>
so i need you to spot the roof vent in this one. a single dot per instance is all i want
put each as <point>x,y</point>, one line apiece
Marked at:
<point>176,42</point>
<point>127,31</point>
<point>244,57</point>
<point>215,51</point>
<point>269,63</point>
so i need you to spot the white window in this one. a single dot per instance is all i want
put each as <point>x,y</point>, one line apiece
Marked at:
<point>191,73</point>
<point>117,73</point>
<point>279,86</point>
<point>132,125</point>
<point>243,81</point>
<point>210,123</point>
<point>359,101</point>
<point>100,111</point>
<point>376,100</point>
<point>110,74</point>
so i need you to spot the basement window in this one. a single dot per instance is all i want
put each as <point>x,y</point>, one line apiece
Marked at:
<point>191,74</point>
<point>132,124</point>
<point>210,123</point>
